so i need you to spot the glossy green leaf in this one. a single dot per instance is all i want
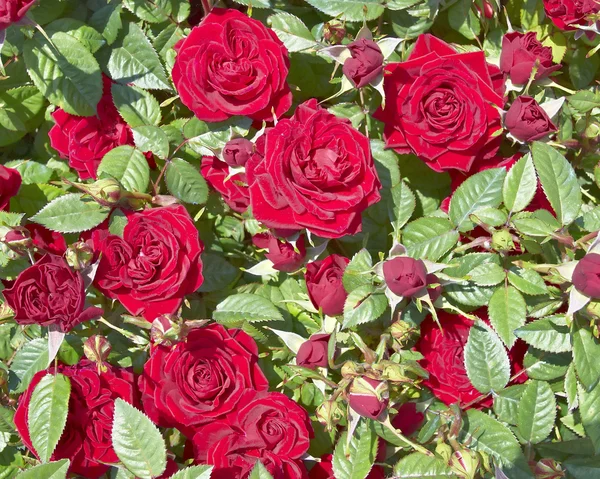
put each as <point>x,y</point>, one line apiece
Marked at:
<point>537,412</point>
<point>185,182</point>
<point>486,359</point>
<point>71,213</point>
<point>507,311</point>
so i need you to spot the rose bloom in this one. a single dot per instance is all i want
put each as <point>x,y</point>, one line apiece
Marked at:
<point>10,182</point>
<point>201,379</point>
<point>238,151</point>
<point>586,275</point>
<point>233,190</point>
<point>324,284</point>
<point>366,63</point>
<point>442,106</point>
<point>405,276</point>
<point>86,440</point>
<point>154,265</point>
<point>230,65</point>
<point>50,293</point>
<point>527,121</point>
<point>317,173</point>
<point>12,11</point>
<point>281,252</point>
<point>567,14</point>
<point>313,352</point>
<point>521,52</point>
<point>268,427</point>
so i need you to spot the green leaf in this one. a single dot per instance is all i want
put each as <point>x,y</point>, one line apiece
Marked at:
<point>386,164</point>
<point>546,366</point>
<point>507,311</point>
<point>537,412</point>
<point>586,354</point>
<point>255,3</point>
<point>558,181</point>
<point>30,359</point>
<point>363,305</point>
<point>420,466</point>
<point>589,409</point>
<point>238,308</point>
<point>429,238</point>
<point>583,468</point>
<point>86,35</point>
<point>349,10</point>
<point>292,32</point>
<point>519,185</point>
<point>66,73</point>
<point>487,274</point>
<point>151,138</point>
<point>358,271</point>
<point>489,216</point>
<point>107,20</point>
<point>137,107</point>
<point>7,423</point>
<point>52,470</point>
<point>584,101</point>
<point>548,334</point>
<point>151,11</point>
<point>31,172</point>
<point>540,223</point>
<point>133,60</point>
<point>20,107</point>
<point>506,403</point>
<point>527,281</point>
<point>194,472</point>
<point>355,460</point>
<point>138,442</point>
<point>127,165</point>
<point>401,206</point>
<point>486,360</point>
<point>582,69</point>
<point>462,19</point>
<point>482,190</point>
<point>185,182</point>
<point>71,214</point>
<point>260,472</point>
<point>571,388</point>
<point>47,413</point>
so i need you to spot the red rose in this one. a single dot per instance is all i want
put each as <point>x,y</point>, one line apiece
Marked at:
<point>586,276</point>
<point>567,14</point>
<point>408,419</point>
<point>368,397</point>
<point>85,140</point>
<point>284,256</point>
<point>46,240</point>
<point>366,63</point>
<point>201,379</point>
<point>313,353</point>
<point>233,190</point>
<point>521,52</point>
<point>11,11</point>
<point>317,173</point>
<point>324,284</point>
<point>230,65</point>
<point>10,182</point>
<point>405,276</point>
<point>50,293</point>
<point>268,427</point>
<point>527,121</point>
<point>154,265</point>
<point>238,151</point>
<point>324,470</point>
<point>86,440</point>
<point>441,105</point>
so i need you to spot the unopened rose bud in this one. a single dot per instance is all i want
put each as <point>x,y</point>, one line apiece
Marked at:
<point>96,349</point>
<point>329,413</point>
<point>106,191</point>
<point>79,255</point>
<point>368,397</point>
<point>313,352</point>
<point>17,238</point>
<point>465,463</point>
<point>165,329</point>
<point>402,332</point>
<point>237,152</point>
<point>334,32</point>
<point>548,469</point>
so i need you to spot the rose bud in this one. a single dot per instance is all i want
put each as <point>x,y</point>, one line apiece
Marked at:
<point>586,275</point>
<point>11,11</point>
<point>10,179</point>
<point>313,353</point>
<point>465,463</point>
<point>548,469</point>
<point>368,397</point>
<point>521,53</point>
<point>334,32</point>
<point>324,284</point>
<point>366,63</point>
<point>282,253</point>
<point>18,238</point>
<point>237,151</point>
<point>164,328</point>
<point>96,349</point>
<point>106,191</point>
<point>79,255</point>
<point>405,276</point>
<point>527,121</point>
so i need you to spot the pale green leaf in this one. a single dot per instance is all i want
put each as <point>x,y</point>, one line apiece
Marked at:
<point>364,304</point>
<point>238,308</point>
<point>127,165</point>
<point>429,238</point>
<point>507,311</point>
<point>537,412</point>
<point>71,213</point>
<point>185,182</point>
<point>486,360</point>
<point>520,185</point>
<point>548,334</point>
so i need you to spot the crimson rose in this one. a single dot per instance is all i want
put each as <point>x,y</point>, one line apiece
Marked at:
<point>154,265</point>
<point>586,275</point>
<point>10,182</point>
<point>527,121</point>
<point>238,151</point>
<point>366,63</point>
<point>86,440</point>
<point>11,11</point>
<point>231,64</point>
<point>405,276</point>
<point>50,293</point>
<point>233,190</point>
<point>46,240</point>
<point>316,173</point>
<point>313,352</point>
<point>201,379</point>
<point>284,256</point>
<point>521,52</point>
<point>442,106</point>
<point>567,14</point>
<point>324,284</point>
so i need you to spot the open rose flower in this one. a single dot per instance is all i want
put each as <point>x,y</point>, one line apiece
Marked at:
<point>527,121</point>
<point>10,182</point>
<point>317,173</point>
<point>405,276</point>
<point>324,284</point>
<point>12,11</point>
<point>521,52</point>
<point>50,293</point>
<point>231,64</point>
<point>154,265</point>
<point>567,14</point>
<point>201,379</point>
<point>86,440</point>
<point>366,63</point>
<point>233,189</point>
<point>442,106</point>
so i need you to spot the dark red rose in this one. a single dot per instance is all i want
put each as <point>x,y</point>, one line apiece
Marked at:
<point>317,173</point>
<point>442,106</point>
<point>170,470</point>
<point>268,427</point>
<point>201,379</point>
<point>238,151</point>
<point>324,284</point>
<point>324,470</point>
<point>313,353</point>
<point>586,276</point>
<point>50,293</point>
<point>434,292</point>
<point>408,419</point>
<point>233,190</point>
<point>86,440</point>
<point>284,256</point>
<point>154,265</point>
<point>567,14</point>
<point>521,52</point>
<point>368,397</point>
<point>10,182</point>
<point>46,240</point>
<point>11,11</point>
<point>527,121</point>
<point>230,65</point>
<point>405,276</point>
<point>366,63</point>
